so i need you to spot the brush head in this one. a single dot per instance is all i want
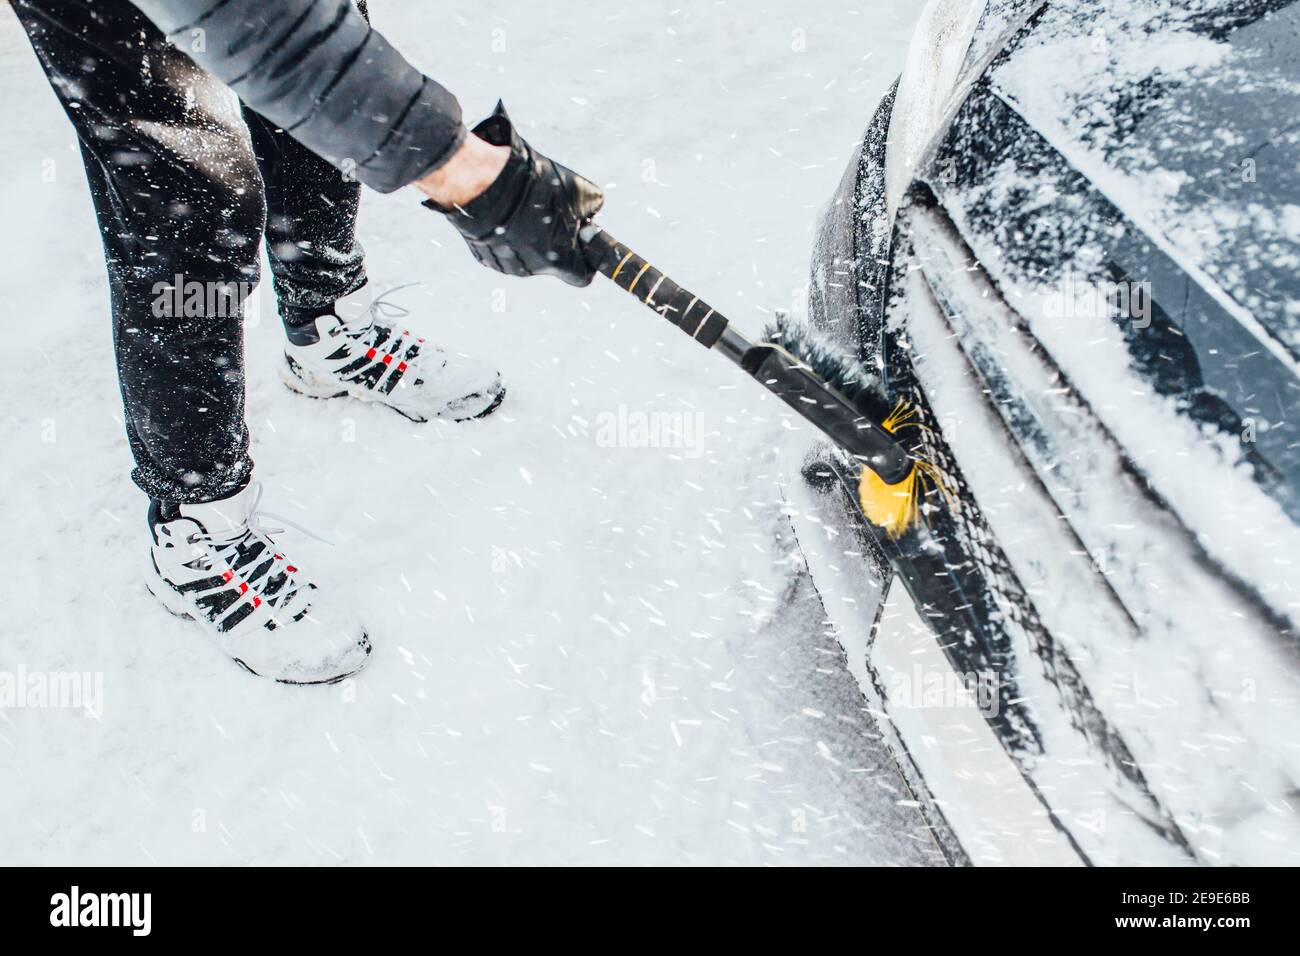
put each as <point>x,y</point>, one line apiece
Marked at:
<point>894,508</point>
<point>859,384</point>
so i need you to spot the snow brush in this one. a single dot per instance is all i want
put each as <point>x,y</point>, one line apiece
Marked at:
<point>831,391</point>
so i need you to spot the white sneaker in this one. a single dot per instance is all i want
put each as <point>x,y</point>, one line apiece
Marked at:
<point>215,564</point>
<point>353,354</point>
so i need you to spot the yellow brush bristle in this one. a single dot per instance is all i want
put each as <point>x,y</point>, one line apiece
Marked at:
<point>895,508</point>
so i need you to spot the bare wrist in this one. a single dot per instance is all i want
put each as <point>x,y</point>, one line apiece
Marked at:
<point>472,169</point>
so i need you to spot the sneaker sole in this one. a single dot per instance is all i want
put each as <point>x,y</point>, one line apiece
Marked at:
<point>299,387</point>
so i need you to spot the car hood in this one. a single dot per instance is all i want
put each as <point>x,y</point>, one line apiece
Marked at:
<point>1185,119</point>
<point>1105,148</point>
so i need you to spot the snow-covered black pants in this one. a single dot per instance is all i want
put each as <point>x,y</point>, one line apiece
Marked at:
<point>186,185</point>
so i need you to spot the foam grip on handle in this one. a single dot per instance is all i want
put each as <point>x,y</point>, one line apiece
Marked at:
<point>679,306</point>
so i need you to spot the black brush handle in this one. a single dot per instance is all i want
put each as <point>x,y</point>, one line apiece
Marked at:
<point>776,369</point>
<point>634,274</point>
<point>834,415</point>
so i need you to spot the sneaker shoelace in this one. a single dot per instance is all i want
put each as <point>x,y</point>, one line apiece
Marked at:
<point>249,565</point>
<point>380,358</point>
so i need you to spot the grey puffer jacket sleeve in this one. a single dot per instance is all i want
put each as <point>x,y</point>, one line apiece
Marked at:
<point>317,69</point>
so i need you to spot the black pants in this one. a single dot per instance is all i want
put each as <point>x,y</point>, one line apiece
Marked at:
<point>186,185</point>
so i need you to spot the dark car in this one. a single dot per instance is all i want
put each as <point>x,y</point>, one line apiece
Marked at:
<point>1070,240</point>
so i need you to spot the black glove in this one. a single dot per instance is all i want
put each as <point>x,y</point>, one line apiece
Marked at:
<point>526,223</point>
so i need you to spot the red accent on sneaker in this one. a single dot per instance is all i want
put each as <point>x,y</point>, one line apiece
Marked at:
<point>370,353</point>
<point>243,587</point>
<point>227,575</point>
<point>257,601</point>
<point>290,568</point>
<point>388,360</point>
<point>401,366</point>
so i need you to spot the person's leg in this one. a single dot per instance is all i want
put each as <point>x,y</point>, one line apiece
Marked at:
<point>179,199</point>
<point>178,196</point>
<point>311,237</point>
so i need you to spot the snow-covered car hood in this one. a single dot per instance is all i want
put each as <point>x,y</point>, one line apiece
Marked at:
<point>1150,145</point>
<point>1182,114</point>
<point>1185,120</point>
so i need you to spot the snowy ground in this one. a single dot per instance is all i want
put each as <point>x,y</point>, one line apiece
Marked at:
<point>585,654</point>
